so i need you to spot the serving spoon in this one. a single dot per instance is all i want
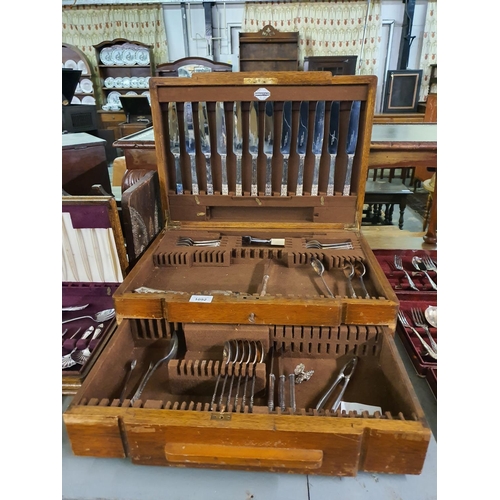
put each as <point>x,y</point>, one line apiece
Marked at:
<point>320,269</point>
<point>431,315</point>
<point>98,317</point>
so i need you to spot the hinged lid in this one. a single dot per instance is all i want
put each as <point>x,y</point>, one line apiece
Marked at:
<point>273,149</point>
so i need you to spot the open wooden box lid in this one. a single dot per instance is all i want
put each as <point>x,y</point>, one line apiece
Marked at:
<point>221,152</point>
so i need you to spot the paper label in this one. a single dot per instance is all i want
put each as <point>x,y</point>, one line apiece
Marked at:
<point>262,94</point>
<point>358,407</point>
<point>203,299</point>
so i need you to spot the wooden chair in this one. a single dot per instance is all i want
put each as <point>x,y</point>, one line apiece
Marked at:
<point>197,63</point>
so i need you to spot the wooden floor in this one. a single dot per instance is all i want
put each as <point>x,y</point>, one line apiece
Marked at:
<point>388,237</point>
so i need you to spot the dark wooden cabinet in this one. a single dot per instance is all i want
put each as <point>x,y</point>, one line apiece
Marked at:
<point>336,65</point>
<point>269,50</point>
<point>74,58</point>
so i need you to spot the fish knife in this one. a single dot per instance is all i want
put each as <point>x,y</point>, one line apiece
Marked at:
<point>173,133</point>
<point>238,145</point>
<point>317,144</point>
<point>286,136</point>
<point>333,144</point>
<point>190,145</point>
<point>302,145</point>
<point>205,144</point>
<point>222,144</point>
<point>268,145</point>
<point>253,144</point>
<point>352,141</point>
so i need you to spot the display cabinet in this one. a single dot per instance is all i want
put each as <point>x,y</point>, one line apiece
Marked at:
<point>74,58</point>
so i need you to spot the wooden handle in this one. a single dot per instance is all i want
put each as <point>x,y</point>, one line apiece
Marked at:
<point>256,456</point>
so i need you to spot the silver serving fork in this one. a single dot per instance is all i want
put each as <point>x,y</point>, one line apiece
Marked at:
<point>189,242</point>
<point>419,320</point>
<point>398,264</point>
<point>428,348</point>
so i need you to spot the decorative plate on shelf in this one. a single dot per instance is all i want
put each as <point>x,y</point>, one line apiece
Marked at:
<point>129,57</point>
<point>134,82</point>
<point>88,99</point>
<point>113,98</point>
<point>75,100</point>
<point>82,67</point>
<point>109,83</point>
<point>142,82</point>
<point>118,82</point>
<point>86,86</point>
<point>117,56</point>
<point>131,92</point>
<point>148,96</point>
<point>126,82</point>
<point>142,56</point>
<point>106,56</point>
<point>70,64</point>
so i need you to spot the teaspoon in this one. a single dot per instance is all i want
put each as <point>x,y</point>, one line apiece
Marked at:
<point>320,269</point>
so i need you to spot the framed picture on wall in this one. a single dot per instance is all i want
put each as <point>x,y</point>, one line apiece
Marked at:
<point>402,90</point>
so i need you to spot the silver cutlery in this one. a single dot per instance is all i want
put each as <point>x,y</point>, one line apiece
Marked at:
<point>406,324</point>
<point>343,379</point>
<point>249,240</point>
<point>286,141</point>
<point>220,119</point>
<point>133,364</point>
<point>64,332</point>
<point>253,144</point>
<point>268,145</point>
<point>226,357</point>
<point>291,381</point>
<point>254,362</point>
<point>83,355</point>
<point>419,265</point>
<point>329,246</point>
<point>352,141</point>
<point>189,242</point>
<point>205,144</point>
<point>349,273</point>
<point>302,145</point>
<point>75,308</point>
<point>67,360</point>
<point>419,320</point>
<point>398,264</point>
<point>429,263</point>
<point>173,134</point>
<point>272,379</point>
<point>259,358</point>
<point>360,271</point>
<point>317,143</point>
<point>333,144</point>
<point>281,379</point>
<point>318,266</point>
<point>98,317</point>
<point>431,316</point>
<point>245,360</point>
<point>174,344</point>
<point>190,145</point>
<point>238,145</point>
<point>233,356</point>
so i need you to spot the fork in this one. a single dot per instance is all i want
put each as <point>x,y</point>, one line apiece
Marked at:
<point>429,263</point>
<point>188,242</point>
<point>82,356</point>
<point>419,320</point>
<point>347,245</point>
<point>398,264</point>
<point>428,348</point>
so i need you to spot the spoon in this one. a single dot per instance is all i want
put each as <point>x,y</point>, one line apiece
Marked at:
<point>127,378</point>
<point>349,273</point>
<point>226,355</point>
<point>419,265</point>
<point>98,317</point>
<point>431,315</point>
<point>360,271</point>
<point>320,269</point>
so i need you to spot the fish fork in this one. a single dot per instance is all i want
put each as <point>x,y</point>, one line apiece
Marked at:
<point>347,245</point>
<point>429,263</point>
<point>189,242</point>
<point>398,264</point>
<point>419,320</point>
<point>428,348</point>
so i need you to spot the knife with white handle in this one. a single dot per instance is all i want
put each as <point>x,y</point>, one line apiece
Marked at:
<point>253,144</point>
<point>352,141</point>
<point>190,145</point>
<point>286,140</point>
<point>222,144</point>
<point>317,144</point>
<point>333,144</point>
<point>205,144</point>
<point>302,145</point>
<point>268,145</point>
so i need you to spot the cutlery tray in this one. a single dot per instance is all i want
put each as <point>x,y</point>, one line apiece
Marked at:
<point>265,293</point>
<point>172,423</point>
<point>91,233</point>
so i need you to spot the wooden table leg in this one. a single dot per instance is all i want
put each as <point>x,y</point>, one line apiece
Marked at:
<point>431,234</point>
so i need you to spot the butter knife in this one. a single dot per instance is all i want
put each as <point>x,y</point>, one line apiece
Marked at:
<point>253,144</point>
<point>302,145</point>
<point>286,136</point>
<point>268,145</point>
<point>205,144</point>
<point>222,144</point>
<point>238,145</point>
<point>317,144</point>
<point>333,143</point>
<point>173,133</point>
<point>190,145</point>
<point>352,141</point>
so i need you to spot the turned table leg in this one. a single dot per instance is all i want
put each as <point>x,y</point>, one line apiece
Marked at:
<point>431,234</point>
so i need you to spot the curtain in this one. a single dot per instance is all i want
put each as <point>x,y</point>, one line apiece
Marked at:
<point>429,48</point>
<point>326,28</point>
<point>86,26</point>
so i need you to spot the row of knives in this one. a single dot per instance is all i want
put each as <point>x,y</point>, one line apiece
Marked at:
<point>175,115</point>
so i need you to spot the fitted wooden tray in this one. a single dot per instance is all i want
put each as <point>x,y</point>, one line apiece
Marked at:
<point>172,423</point>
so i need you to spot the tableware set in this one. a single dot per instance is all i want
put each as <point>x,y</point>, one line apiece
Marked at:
<point>126,54</point>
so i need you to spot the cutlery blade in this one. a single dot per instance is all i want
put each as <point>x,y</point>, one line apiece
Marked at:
<point>333,143</point>
<point>302,145</point>
<point>190,145</point>
<point>352,141</point>
<point>317,144</point>
<point>222,144</point>
<point>173,133</point>
<point>238,145</point>
<point>268,144</point>
<point>205,144</point>
<point>286,140</point>
<point>253,144</point>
